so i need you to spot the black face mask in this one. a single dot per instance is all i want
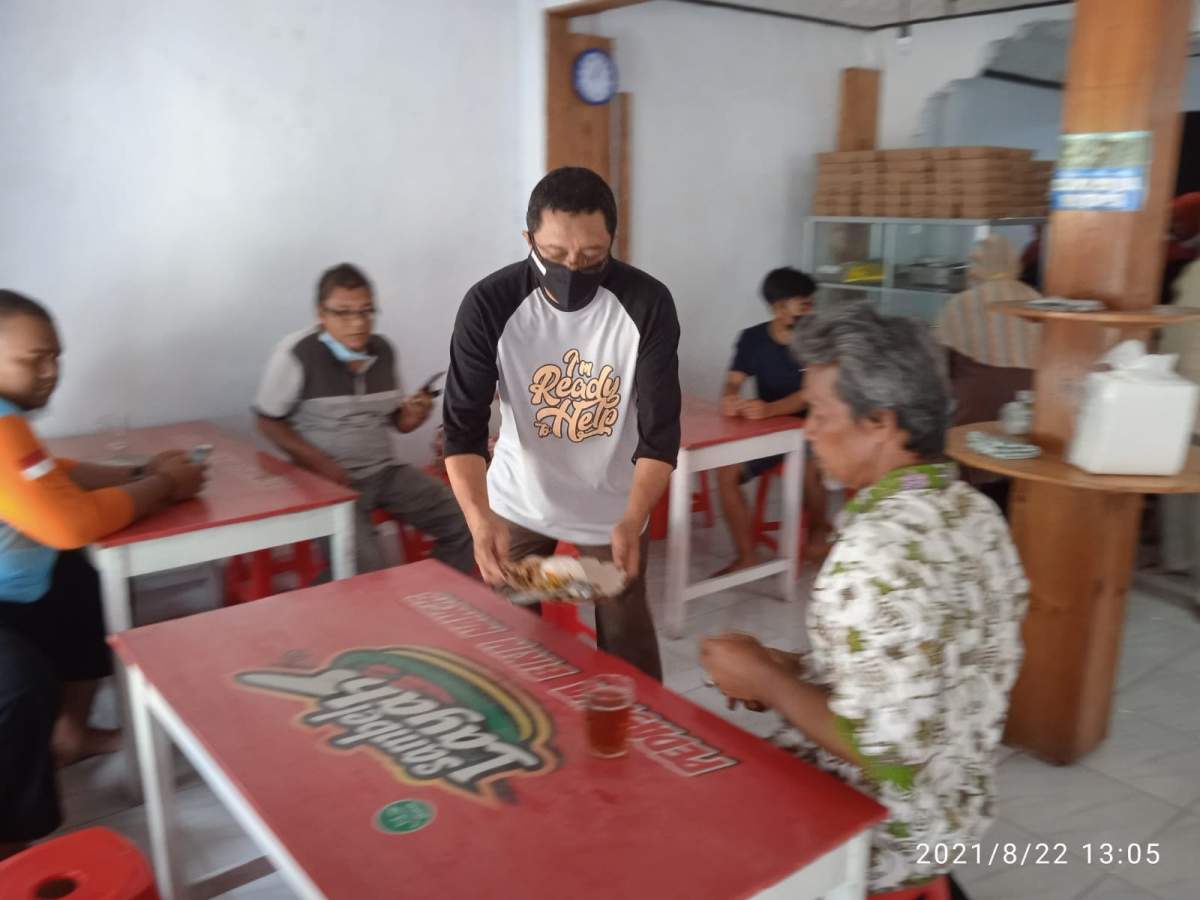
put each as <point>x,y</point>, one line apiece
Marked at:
<point>570,289</point>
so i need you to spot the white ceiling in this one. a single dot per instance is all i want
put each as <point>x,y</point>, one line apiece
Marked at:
<point>878,13</point>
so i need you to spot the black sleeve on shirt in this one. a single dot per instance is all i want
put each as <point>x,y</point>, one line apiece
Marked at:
<point>743,355</point>
<point>472,376</point>
<point>656,377</point>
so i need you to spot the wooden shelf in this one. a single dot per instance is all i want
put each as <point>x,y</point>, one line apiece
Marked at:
<point>1152,317</point>
<point>1053,469</point>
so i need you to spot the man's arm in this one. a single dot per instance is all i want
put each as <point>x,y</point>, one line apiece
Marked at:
<point>806,706</point>
<point>466,411</point>
<point>731,394</point>
<point>278,395</point>
<point>656,384</point>
<point>650,480</point>
<point>413,412</point>
<point>788,406</point>
<point>304,454</point>
<point>746,670</point>
<point>468,480</point>
<point>39,499</point>
<point>94,476</point>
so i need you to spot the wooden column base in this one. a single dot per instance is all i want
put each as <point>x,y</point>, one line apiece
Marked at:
<point>1078,550</point>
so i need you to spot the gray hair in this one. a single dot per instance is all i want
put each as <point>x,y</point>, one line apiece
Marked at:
<point>883,362</point>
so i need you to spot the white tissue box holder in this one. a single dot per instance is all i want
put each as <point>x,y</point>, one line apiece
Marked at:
<point>1134,426</point>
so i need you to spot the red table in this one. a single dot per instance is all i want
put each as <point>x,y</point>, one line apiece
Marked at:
<point>409,734</point>
<point>252,501</point>
<point>710,440</point>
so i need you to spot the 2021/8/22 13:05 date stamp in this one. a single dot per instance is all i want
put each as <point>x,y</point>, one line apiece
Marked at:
<point>1039,854</point>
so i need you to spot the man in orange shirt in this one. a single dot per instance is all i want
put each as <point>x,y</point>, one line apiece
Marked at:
<point>52,650</point>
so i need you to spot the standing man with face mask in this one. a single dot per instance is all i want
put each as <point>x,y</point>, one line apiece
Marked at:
<point>584,349</point>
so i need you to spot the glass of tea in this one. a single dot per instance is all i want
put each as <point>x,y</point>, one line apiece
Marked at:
<point>608,705</point>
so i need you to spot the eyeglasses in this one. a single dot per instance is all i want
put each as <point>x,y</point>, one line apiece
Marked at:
<point>346,315</point>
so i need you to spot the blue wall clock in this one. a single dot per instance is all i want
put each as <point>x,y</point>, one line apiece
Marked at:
<point>594,77</point>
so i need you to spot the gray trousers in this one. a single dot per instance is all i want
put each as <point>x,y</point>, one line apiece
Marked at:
<point>1179,532</point>
<point>416,499</point>
<point>624,626</point>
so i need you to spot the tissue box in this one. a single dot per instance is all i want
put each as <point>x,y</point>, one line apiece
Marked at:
<point>1133,424</point>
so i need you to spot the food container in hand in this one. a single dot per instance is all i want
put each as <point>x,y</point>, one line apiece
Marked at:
<point>585,580</point>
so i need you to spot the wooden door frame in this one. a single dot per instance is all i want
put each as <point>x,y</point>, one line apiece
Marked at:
<point>557,39</point>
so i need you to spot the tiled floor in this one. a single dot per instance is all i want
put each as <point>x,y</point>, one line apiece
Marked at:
<point>1142,786</point>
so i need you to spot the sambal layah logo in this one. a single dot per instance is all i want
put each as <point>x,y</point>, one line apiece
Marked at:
<point>433,717</point>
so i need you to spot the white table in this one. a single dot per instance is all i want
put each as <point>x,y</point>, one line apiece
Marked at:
<point>710,440</point>
<point>252,501</point>
<point>705,810</point>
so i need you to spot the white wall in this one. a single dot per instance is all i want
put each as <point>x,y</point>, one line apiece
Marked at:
<point>991,111</point>
<point>986,111</point>
<point>176,175</point>
<point>939,53</point>
<point>728,112</point>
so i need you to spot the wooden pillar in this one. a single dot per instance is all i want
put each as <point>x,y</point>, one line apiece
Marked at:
<point>858,129</point>
<point>578,133</point>
<point>858,109</point>
<point>1125,73</point>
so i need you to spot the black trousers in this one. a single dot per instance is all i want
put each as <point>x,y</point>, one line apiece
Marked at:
<point>28,708</point>
<point>57,638</point>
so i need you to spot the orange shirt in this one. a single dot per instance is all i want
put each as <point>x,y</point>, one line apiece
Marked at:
<point>43,511</point>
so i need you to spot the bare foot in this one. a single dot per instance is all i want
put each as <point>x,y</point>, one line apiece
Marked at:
<point>736,566</point>
<point>70,746</point>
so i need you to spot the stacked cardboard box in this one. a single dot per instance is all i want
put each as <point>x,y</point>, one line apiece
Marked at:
<point>933,183</point>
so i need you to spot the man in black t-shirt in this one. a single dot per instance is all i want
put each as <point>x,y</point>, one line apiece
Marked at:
<point>764,353</point>
<point>584,350</point>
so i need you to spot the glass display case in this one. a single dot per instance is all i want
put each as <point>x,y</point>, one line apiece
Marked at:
<point>907,267</point>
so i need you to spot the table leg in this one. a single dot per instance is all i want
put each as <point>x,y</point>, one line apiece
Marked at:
<point>341,546</point>
<point>858,852</point>
<point>793,504</point>
<point>679,543</point>
<point>158,776</point>
<point>113,565</point>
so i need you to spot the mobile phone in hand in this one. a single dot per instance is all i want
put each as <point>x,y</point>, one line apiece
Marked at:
<point>428,388</point>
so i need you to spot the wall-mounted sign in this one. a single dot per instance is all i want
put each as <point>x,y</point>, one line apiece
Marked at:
<point>1101,171</point>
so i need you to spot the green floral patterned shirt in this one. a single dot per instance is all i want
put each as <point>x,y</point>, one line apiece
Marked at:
<point>914,626</point>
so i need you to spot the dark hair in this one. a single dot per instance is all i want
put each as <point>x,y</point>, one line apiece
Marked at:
<point>883,362</point>
<point>14,304</point>
<point>785,283</point>
<point>343,275</point>
<point>572,189</point>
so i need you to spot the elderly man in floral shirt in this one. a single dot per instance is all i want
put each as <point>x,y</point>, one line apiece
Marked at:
<point>914,623</point>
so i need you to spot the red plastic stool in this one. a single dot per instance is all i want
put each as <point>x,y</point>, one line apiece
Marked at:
<point>938,889</point>
<point>660,517</point>
<point>414,546</point>
<point>761,526</point>
<point>566,615</point>
<point>93,864</point>
<point>252,577</point>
